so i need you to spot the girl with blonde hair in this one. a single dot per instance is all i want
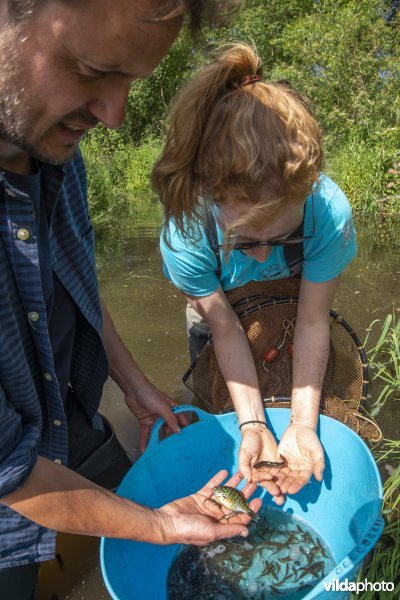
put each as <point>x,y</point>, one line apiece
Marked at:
<point>246,155</point>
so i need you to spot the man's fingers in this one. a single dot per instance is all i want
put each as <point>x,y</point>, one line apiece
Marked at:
<point>249,489</point>
<point>171,421</point>
<point>212,508</point>
<point>144,437</point>
<point>183,420</point>
<point>255,504</point>
<point>208,489</point>
<point>231,530</point>
<point>234,480</point>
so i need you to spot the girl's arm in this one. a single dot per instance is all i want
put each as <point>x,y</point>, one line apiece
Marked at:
<point>300,443</point>
<point>237,367</point>
<point>311,349</point>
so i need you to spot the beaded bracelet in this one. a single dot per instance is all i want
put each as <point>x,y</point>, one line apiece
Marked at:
<point>247,423</point>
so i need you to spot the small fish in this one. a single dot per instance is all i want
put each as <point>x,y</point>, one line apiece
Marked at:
<point>267,569</point>
<point>316,569</point>
<point>274,589</point>
<point>322,549</point>
<point>285,559</point>
<point>231,498</point>
<point>268,464</point>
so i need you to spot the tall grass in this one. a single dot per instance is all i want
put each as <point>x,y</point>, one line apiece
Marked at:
<point>383,563</point>
<point>385,361</point>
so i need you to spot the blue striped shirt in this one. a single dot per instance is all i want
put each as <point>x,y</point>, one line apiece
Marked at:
<point>32,418</point>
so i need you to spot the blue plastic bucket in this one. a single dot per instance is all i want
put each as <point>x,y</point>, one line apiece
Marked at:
<point>344,509</point>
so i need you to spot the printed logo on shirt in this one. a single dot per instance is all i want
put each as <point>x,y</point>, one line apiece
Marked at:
<point>276,270</point>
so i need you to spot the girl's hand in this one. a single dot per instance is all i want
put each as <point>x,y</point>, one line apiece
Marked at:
<point>302,449</point>
<point>259,444</point>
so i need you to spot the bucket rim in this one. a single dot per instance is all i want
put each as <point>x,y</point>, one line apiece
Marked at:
<point>352,559</point>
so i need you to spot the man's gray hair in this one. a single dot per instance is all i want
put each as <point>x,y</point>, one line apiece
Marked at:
<point>200,12</point>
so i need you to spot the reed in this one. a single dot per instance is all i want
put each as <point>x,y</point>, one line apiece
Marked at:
<point>383,564</point>
<point>384,360</point>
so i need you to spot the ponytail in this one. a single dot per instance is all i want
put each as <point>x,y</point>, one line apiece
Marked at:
<point>231,133</point>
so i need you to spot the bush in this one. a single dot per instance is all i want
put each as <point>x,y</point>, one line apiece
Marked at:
<point>119,179</point>
<point>368,171</point>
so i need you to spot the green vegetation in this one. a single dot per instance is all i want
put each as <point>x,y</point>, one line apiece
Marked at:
<point>384,360</point>
<point>383,564</point>
<point>343,54</point>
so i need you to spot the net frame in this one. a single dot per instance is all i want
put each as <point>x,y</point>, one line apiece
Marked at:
<point>333,404</point>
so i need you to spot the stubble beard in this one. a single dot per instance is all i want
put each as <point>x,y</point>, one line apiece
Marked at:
<point>15,119</point>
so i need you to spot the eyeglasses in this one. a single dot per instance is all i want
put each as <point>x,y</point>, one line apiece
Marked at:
<point>291,240</point>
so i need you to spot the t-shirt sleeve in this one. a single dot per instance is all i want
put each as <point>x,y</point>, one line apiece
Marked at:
<point>334,244</point>
<point>189,264</point>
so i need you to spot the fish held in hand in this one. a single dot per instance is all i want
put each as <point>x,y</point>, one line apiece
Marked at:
<point>267,464</point>
<point>232,499</point>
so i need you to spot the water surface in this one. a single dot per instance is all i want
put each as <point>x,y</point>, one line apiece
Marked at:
<point>283,558</point>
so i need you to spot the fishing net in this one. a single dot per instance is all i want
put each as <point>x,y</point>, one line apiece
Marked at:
<point>267,311</point>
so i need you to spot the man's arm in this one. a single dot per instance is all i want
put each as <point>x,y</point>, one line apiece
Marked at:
<point>57,498</point>
<point>145,401</point>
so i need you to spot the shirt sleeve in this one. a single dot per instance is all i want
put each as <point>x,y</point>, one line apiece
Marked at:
<point>334,244</point>
<point>189,264</point>
<point>18,452</point>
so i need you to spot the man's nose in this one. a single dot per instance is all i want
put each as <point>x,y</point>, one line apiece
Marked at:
<point>109,105</point>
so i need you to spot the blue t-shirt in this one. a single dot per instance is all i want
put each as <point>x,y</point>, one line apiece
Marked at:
<point>190,263</point>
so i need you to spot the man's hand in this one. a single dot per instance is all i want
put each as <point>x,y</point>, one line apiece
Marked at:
<point>149,403</point>
<point>195,519</point>
<point>302,449</point>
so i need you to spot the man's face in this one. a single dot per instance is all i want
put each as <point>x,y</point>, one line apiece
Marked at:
<point>70,67</point>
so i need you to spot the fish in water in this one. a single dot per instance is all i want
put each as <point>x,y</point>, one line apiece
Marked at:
<point>232,499</point>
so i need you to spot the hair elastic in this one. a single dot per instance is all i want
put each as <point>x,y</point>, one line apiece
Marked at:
<point>249,79</point>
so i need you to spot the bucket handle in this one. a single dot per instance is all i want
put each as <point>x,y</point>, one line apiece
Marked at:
<point>154,439</point>
<point>352,560</point>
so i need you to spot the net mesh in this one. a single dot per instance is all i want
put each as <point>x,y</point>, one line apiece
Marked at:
<point>267,311</point>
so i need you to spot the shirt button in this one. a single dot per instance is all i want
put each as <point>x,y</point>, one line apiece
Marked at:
<point>48,377</point>
<point>33,316</point>
<point>57,422</point>
<point>58,461</point>
<point>23,234</point>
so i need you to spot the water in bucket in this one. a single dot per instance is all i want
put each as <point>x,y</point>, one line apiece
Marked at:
<point>281,558</point>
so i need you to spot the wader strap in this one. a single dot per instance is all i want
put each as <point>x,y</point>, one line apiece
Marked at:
<point>212,238</point>
<point>294,255</point>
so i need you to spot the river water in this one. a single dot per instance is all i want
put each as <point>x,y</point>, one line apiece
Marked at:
<point>149,315</point>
